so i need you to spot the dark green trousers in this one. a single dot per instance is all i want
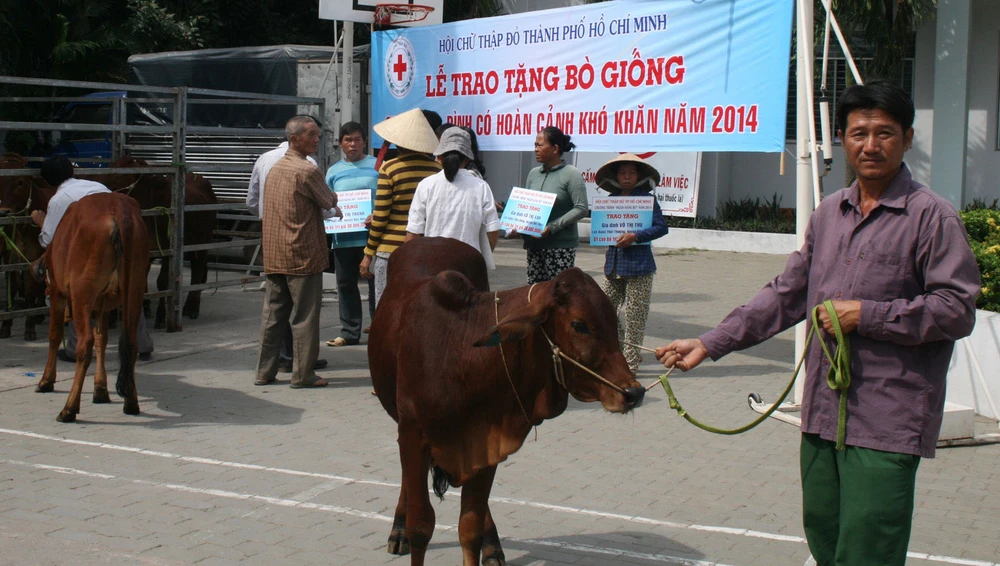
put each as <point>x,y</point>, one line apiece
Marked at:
<point>857,504</point>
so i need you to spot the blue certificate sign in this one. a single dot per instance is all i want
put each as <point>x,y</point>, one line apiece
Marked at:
<point>610,217</point>
<point>356,206</point>
<point>527,211</point>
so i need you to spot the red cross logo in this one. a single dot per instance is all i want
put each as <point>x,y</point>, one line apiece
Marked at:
<point>399,67</point>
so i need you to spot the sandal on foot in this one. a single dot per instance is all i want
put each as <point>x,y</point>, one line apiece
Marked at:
<point>341,341</point>
<point>320,382</point>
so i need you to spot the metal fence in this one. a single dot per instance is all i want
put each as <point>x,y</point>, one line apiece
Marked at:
<point>224,155</point>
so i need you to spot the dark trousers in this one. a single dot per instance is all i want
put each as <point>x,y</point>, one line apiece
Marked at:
<point>347,261</point>
<point>857,504</point>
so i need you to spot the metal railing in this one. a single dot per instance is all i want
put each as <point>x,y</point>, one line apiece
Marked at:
<point>208,156</point>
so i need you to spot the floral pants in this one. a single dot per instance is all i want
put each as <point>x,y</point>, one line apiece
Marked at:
<point>544,265</point>
<point>634,292</point>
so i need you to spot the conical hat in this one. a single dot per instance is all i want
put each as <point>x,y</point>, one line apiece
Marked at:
<point>606,177</point>
<point>410,130</point>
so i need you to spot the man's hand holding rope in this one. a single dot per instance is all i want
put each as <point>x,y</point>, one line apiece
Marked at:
<point>849,313</point>
<point>685,354</point>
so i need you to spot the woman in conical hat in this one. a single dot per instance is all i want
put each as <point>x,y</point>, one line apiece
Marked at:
<point>628,264</point>
<point>397,181</point>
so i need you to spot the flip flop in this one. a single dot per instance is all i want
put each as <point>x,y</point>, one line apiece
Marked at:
<point>320,382</point>
<point>265,381</point>
<point>341,341</point>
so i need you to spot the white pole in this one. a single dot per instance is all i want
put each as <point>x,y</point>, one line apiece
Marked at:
<point>347,85</point>
<point>803,149</point>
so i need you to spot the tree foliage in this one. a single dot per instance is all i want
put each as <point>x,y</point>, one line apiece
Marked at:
<point>884,28</point>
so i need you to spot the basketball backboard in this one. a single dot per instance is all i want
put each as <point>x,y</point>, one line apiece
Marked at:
<point>363,11</point>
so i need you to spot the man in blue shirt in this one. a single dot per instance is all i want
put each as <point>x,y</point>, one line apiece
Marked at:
<point>356,171</point>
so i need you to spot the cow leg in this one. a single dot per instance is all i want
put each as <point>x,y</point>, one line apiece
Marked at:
<point>492,553</point>
<point>100,344</point>
<point>415,457</point>
<point>146,308</point>
<point>199,275</point>
<point>57,312</point>
<point>162,282</point>
<point>84,351</point>
<point>472,523</point>
<point>398,543</point>
<point>34,297</point>
<point>11,291</point>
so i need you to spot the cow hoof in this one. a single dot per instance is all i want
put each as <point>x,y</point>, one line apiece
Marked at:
<point>101,396</point>
<point>191,313</point>
<point>130,409</point>
<point>44,388</point>
<point>497,559</point>
<point>66,416</point>
<point>30,336</point>
<point>400,546</point>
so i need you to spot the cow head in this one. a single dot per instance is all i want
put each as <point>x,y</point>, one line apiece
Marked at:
<point>120,181</point>
<point>14,191</point>
<point>580,320</point>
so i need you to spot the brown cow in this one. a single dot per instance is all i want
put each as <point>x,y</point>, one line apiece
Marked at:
<point>20,196</point>
<point>154,191</point>
<point>464,409</point>
<point>97,262</point>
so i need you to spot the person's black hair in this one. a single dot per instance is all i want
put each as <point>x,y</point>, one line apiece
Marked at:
<point>477,159</point>
<point>56,170</point>
<point>451,162</point>
<point>876,95</point>
<point>440,130</point>
<point>433,118</point>
<point>555,137</point>
<point>349,128</point>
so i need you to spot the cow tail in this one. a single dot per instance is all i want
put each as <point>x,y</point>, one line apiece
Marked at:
<point>441,481</point>
<point>116,239</point>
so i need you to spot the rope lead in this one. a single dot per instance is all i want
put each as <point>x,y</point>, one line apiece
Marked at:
<point>837,378</point>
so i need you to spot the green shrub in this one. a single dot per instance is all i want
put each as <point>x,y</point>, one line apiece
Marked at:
<point>983,226</point>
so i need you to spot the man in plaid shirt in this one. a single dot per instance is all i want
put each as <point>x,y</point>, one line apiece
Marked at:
<point>295,255</point>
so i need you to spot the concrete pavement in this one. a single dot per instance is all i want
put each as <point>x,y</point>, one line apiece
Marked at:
<point>218,471</point>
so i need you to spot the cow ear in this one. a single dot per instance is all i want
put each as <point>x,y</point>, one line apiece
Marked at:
<point>518,324</point>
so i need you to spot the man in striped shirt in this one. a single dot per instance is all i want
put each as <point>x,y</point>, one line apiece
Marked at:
<point>397,181</point>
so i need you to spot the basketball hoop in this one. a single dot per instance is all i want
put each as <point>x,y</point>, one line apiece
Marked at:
<point>395,14</point>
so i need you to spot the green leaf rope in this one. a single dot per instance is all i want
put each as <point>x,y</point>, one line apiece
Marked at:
<point>838,378</point>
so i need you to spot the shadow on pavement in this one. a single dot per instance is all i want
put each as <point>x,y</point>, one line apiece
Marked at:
<point>189,405</point>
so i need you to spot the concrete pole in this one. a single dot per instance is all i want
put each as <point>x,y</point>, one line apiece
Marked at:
<point>951,100</point>
<point>347,84</point>
<point>804,154</point>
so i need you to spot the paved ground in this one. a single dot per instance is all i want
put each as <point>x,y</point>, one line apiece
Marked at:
<point>217,471</point>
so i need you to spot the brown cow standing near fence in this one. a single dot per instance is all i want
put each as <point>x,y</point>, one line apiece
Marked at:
<point>463,409</point>
<point>96,262</point>
<point>20,196</point>
<point>154,191</point>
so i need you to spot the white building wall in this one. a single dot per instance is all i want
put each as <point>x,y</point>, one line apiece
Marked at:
<point>982,178</point>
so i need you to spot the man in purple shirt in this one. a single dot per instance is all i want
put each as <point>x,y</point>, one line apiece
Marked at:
<point>895,260</point>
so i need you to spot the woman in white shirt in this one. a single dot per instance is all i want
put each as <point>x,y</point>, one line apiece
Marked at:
<point>455,203</point>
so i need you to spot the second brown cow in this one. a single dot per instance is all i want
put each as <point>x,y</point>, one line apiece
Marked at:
<point>463,407</point>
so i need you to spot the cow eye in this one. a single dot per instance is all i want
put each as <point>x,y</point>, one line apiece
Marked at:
<point>580,327</point>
